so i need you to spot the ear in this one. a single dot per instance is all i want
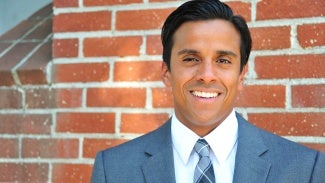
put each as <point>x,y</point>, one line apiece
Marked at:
<point>242,77</point>
<point>165,74</point>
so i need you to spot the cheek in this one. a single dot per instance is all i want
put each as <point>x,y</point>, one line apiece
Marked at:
<point>180,75</point>
<point>178,81</point>
<point>233,83</point>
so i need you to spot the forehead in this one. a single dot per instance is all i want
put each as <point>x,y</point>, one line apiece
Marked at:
<point>216,28</point>
<point>208,34</point>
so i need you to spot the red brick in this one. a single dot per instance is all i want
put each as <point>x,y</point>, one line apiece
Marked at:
<point>86,21</point>
<point>86,122</point>
<point>141,123</point>
<point>141,19</point>
<point>116,97</point>
<point>65,48</point>
<point>318,147</point>
<point>42,29</point>
<point>9,148</point>
<point>15,55</point>
<point>25,123</point>
<point>277,9</point>
<point>137,71</point>
<point>33,71</point>
<point>53,98</point>
<point>4,46</point>
<point>81,72</point>
<point>45,12</point>
<point>50,148</point>
<point>292,124</point>
<point>23,172</point>
<point>71,173</point>
<point>241,8</point>
<point>109,2</point>
<point>10,59</point>
<point>308,95</point>
<point>270,38</point>
<point>18,31</point>
<point>162,97</point>
<point>65,3</point>
<point>10,99</point>
<point>112,46</point>
<point>154,45</point>
<point>6,78</point>
<point>290,66</point>
<point>92,146</point>
<point>262,96</point>
<point>311,35</point>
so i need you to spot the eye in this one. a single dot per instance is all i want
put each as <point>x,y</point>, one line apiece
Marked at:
<point>190,59</point>
<point>223,61</point>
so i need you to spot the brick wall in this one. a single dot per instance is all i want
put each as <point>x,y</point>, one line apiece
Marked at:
<point>103,85</point>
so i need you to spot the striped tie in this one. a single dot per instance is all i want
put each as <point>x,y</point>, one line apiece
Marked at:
<point>204,170</point>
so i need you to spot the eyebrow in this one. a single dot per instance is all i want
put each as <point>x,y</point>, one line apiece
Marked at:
<point>187,51</point>
<point>224,52</point>
<point>219,52</point>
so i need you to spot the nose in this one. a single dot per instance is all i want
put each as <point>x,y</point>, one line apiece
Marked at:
<point>206,73</point>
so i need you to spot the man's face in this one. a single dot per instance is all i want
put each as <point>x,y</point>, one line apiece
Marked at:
<point>204,73</point>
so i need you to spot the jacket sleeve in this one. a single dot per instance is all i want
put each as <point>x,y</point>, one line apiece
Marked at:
<point>319,169</point>
<point>98,174</point>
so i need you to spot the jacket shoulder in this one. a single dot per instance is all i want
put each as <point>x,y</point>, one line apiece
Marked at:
<point>123,162</point>
<point>272,141</point>
<point>289,161</point>
<point>160,136</point>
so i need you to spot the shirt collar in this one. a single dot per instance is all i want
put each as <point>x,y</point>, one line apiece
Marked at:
<point>221,140</point>
<point>183,139</point>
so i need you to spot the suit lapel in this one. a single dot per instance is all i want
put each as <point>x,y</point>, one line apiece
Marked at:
<point>159,167</point>
<point>250,166</point>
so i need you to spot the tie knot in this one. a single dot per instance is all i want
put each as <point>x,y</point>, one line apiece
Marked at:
<point>202,147</point>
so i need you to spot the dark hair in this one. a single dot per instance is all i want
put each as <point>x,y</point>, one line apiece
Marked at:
<point>196,10</point>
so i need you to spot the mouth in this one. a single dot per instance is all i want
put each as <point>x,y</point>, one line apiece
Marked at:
<point>206,95</point>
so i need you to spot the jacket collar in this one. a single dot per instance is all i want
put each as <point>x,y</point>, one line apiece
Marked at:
<point>250,166</point>
<point>159,167</point>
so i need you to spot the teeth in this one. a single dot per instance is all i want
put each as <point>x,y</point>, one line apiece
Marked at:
<point>205,94</point>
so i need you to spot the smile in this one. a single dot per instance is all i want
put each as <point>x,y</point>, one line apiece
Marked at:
<point>205,94</point>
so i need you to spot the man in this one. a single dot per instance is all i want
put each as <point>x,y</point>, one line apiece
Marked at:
<point>205,52</point>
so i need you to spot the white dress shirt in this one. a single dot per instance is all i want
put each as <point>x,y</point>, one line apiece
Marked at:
<point>223,143</point>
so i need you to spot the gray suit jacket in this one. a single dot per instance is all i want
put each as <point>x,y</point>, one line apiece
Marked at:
<point>261,157</point>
